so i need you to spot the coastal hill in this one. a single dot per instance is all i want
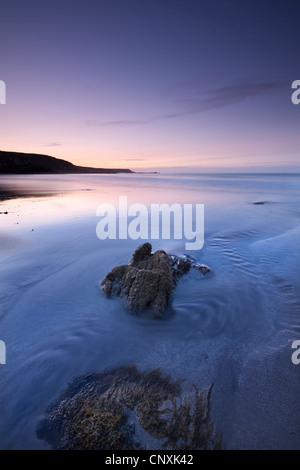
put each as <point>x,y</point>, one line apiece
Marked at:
<point>31,163</point>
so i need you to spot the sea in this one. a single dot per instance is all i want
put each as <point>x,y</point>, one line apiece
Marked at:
<point>235,328</point>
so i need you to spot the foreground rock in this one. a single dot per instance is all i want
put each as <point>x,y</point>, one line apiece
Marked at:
<point>148,280</point>
<point>126,409</point>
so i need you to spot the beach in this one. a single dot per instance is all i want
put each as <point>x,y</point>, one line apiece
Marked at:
<point>233,329</point>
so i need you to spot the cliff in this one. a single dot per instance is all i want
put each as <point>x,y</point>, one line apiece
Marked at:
<point>30,163</point>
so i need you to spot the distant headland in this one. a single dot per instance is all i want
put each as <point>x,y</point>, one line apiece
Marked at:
<point>31,163</point>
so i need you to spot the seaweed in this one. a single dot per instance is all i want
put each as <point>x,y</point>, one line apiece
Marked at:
<point>96,412</point>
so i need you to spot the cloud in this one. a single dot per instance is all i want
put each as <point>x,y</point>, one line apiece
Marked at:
<point>226,96</point>
<point>135,159</point>
<point>202,100</point>
<point>220,97</point>
<point>52,144</point>
<point>127,122</point>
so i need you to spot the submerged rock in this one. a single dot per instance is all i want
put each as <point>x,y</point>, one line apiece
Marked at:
<point>125,409</point>
<point>147,281</point>
<point>181,266</point>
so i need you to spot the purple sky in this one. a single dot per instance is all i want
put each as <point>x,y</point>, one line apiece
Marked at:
<point>153,84</point>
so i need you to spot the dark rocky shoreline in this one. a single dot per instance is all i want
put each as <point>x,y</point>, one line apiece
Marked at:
<point>31,163</point>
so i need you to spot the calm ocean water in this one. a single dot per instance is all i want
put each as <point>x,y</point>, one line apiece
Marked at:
<point>234,328</point>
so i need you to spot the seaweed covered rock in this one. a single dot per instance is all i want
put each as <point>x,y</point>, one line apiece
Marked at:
<point>147,281</point>
<point>125,409</point>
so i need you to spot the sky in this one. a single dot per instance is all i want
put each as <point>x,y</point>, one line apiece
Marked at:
<point>163,85</point>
